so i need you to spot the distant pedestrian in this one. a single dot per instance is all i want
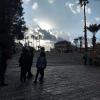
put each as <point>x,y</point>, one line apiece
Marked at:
<point>5,55</point>
<point>23,63</point>
<point>41,65</point>
<point>90,58</point>
<point>30,59</point>
<point>85,58</point>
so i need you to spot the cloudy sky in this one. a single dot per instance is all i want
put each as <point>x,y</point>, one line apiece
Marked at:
<point>63,17</point>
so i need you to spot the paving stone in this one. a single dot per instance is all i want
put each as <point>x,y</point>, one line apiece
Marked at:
<point>66,78</point>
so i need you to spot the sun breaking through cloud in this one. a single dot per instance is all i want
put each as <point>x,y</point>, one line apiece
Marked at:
<point>35,6</point>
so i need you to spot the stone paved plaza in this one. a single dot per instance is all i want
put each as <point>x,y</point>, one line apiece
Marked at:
<point>66,78</point>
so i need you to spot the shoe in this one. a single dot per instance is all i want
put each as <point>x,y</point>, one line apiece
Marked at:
<point>41,82</point>
<point>29,77</point>
<point>35,82</point>
<point>3,84</point>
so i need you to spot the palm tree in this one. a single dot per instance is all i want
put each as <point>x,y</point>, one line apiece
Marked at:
<point>94,28</point>
<point>83,3</point>
<point>80,39</point>
<point>39,40</point>
<point>26,38</point>
<point>76,42</point>
<point>33,37</point>
<point>36,38</point>
<point>39,35</point>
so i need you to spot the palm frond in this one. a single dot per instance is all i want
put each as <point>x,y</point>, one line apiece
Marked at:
<point>93,28</point>
<point>82,2</point>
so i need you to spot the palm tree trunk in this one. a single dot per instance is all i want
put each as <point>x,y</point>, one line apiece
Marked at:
<point>94,41</point>
<point>80,45</point>
<point>85,30</point>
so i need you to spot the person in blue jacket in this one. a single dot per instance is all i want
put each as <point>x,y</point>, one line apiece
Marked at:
<point>41,65</point>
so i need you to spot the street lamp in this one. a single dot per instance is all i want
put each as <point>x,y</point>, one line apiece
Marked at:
<point>83,3</point>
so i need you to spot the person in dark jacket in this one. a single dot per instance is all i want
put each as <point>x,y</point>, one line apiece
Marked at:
<point>85,58</point>
<point>5,55</point>
<point>23,63</point>
<point>41,65</point>
<point>31,55</point>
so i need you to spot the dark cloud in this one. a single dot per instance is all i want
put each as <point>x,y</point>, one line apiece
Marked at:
<point>48,36</point>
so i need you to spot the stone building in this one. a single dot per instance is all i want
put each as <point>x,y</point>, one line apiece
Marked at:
<point>63,46</point>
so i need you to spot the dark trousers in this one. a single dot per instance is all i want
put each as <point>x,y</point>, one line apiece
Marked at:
<point>85,60</point>
<point>29,71</point>
<point>23,74</point>
<point>2,73</point>
<point>41,72</point>
<point>90,61</point>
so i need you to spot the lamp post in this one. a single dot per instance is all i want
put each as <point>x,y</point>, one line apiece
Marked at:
<point>83,3</point>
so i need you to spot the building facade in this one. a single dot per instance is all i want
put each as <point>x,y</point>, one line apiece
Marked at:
<point>63,46</point>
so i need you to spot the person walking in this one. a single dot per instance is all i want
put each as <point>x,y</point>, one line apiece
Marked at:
<point>31,55</point>
<point>85,58</point>
<point>41,65</point>
<point>23,63</point>
<point>5,55</point>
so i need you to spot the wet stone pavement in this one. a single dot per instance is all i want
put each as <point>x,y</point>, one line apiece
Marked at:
<point>66,78</point>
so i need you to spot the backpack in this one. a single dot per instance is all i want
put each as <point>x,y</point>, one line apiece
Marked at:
<point>41,62</point>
